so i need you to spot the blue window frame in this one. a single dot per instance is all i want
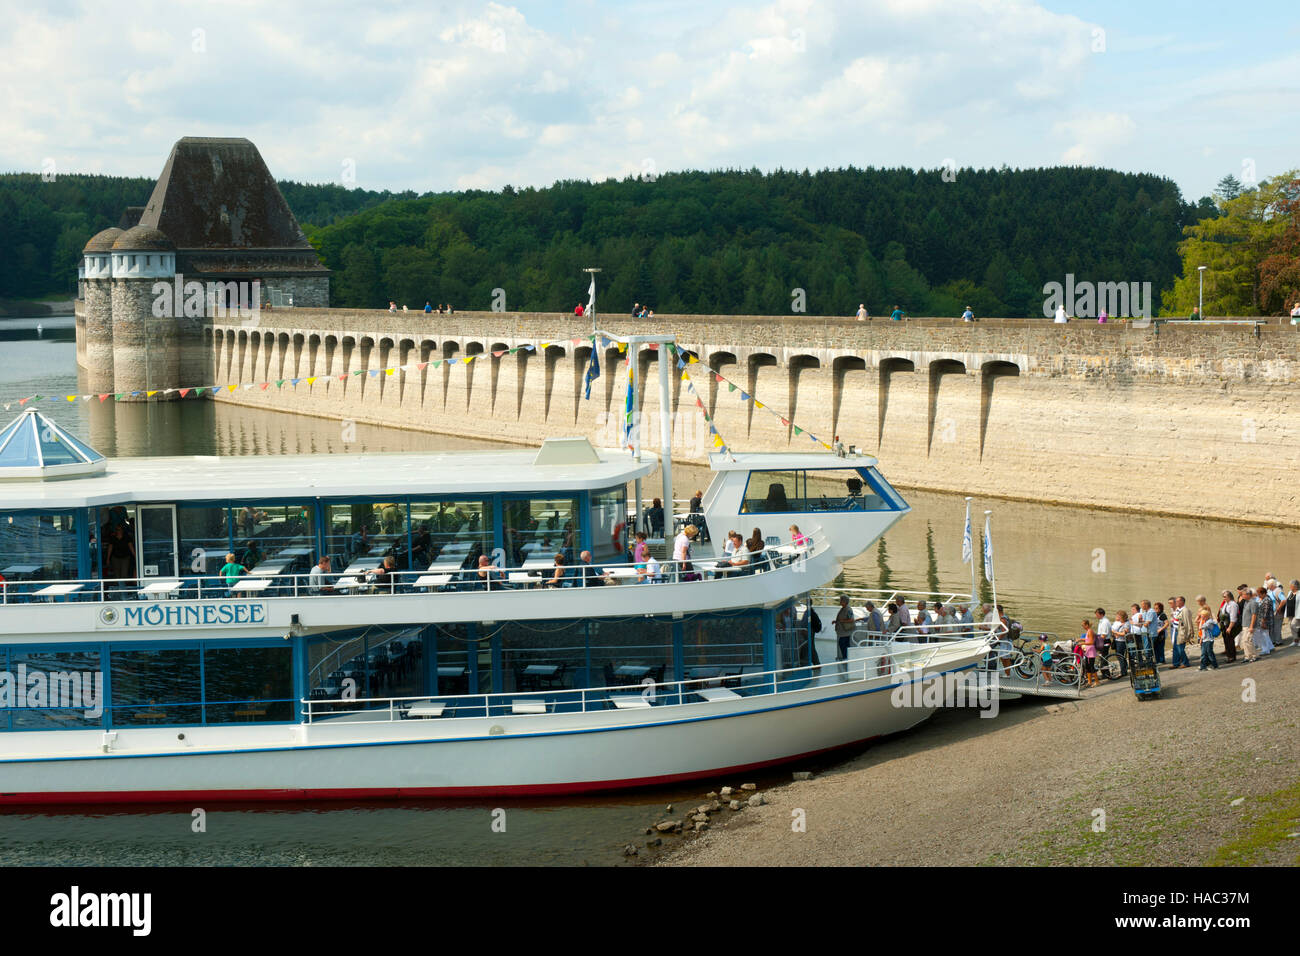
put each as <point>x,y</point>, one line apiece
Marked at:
<point>831,489</point>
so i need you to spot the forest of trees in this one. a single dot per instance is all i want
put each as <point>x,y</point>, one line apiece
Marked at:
<point>693,242</point>
<point>740,242</point>
<point>44,225</point>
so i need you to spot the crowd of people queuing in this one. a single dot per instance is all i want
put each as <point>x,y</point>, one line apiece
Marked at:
<point>1249,623</point>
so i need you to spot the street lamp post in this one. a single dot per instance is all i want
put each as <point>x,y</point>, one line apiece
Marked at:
<point>1200,295</point>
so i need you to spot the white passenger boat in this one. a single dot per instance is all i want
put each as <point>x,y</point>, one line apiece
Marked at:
<point>138,662</point>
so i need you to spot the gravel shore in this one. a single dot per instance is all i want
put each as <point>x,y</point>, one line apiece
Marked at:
<point>1029,786</point>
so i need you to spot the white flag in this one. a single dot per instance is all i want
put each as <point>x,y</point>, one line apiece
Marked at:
<point>988,550</point>
<point>591,295</point>
<point>967,549</point>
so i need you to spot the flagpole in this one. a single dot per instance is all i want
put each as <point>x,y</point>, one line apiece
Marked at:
<point>974,588</point>
<point>993,575</point>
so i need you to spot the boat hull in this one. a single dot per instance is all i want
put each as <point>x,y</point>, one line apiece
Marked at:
<point>473,757</point>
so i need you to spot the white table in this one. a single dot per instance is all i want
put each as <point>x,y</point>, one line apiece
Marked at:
<point>443,565</point>
<point>15,569</point>
<point>629,702</point>
<point>717,693</point>
<point>58,590</point>
<point>363,564</point>
<point>622,574</point>
<point>347,584</point>
<point>269,569</point>
<point>294,553</point>
<point>160,588</point>
<point>538,564</point>
<point>428,708</point>
<point>528,706</point>
<point>251,584</point>
<point>432,580</point>
<point>524,577</point>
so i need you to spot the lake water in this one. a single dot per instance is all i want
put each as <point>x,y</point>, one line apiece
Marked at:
<point>1054,564</point>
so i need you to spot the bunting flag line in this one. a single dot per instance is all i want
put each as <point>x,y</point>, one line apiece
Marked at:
<point>687,359</point>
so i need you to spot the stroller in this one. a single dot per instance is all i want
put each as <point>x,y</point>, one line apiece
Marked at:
<point>1143,675</point>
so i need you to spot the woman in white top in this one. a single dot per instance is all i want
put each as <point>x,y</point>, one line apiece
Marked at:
<point>682,548</point>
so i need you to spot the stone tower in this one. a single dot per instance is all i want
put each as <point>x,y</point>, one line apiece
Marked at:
<point>97,294</point>
<point>145,345</point>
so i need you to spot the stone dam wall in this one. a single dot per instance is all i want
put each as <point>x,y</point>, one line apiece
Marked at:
<point>1185,419</point>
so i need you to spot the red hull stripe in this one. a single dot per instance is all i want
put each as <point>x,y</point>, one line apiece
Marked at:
<point>372,793</point>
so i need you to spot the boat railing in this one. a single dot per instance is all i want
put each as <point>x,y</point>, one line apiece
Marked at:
<point>719,687</point>
<point>357,581</point>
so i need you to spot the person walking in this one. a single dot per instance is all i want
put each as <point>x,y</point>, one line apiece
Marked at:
<point>844,627</point>
<point>1162,632</point>
<point>1230,625</point>
<point>1208,630</point>
<point>1184,634</point>
<point>1250,612</point>
<point>1289,612</point>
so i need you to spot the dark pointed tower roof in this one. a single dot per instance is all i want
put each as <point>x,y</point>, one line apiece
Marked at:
<point>218,194</point>
<point>33,446</point>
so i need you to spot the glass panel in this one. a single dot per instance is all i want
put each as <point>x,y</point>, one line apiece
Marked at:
<point>544,656</point>
<point>351,530</point>
<point>537,529</point>
<point>279,535</point>
<point>204,536</point>
<point>609,525</point>
<point>628,652</point>
<point>153,688</point>
<point>722,645</point>
<point>21,450</point>
<point>38,546</point>
<point>454,653</point>
<point>450,534</point>
<point>247,684</point>
<point>117,544</point>
<point>63,689</point>
<point>831,489</point>
<point>157,541</point>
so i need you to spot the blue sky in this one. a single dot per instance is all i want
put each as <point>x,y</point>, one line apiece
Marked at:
<point>468,93</point>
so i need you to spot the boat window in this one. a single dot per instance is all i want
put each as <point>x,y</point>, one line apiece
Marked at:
<point>609,524</point>
<point>713,646</point>
<point>204,532</point>
<point>626,652</point>
<point>446,531</point>
<point>543,655</point>
<point>368,662</point>
<point>539,528</point>
<point>281,534</point>
<point>830,489</point>
<point>247,684</point>
<point>37,546</point>
<point>154,688</point>
<point>63,689</point>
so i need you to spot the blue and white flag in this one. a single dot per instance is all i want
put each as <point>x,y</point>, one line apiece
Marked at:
<point>593,370</point>
<point>988,550</point>
<point>967,549</point>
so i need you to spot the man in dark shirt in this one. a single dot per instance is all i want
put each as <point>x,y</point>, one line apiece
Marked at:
<point>592,575</point>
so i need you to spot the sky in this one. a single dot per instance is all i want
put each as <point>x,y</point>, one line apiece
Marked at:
<point>457,95</point>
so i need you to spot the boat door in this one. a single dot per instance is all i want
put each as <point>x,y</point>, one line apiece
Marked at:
<point>155,528</point>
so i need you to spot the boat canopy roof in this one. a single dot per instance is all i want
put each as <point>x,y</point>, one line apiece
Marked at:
<point>787,461</point>
<point>34,448</point>
<point>272,477</point>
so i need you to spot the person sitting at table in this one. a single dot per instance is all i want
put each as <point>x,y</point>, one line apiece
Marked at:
<point>757,548</point>
<point>739,553</point>
<point>592,575</point>
<point>252,555</point>
<point>556,580</point>
<point>652,573</point>
<point>729,549</point>
<point>232,570</point>
<point>488,576</point>
<point>384,577</point>
<point>316,580</point>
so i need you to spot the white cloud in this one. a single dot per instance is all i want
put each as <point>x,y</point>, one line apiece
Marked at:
<point>481,94</point>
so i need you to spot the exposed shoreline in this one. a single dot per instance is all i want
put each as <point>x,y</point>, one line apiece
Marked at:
<point>1024,788</point>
